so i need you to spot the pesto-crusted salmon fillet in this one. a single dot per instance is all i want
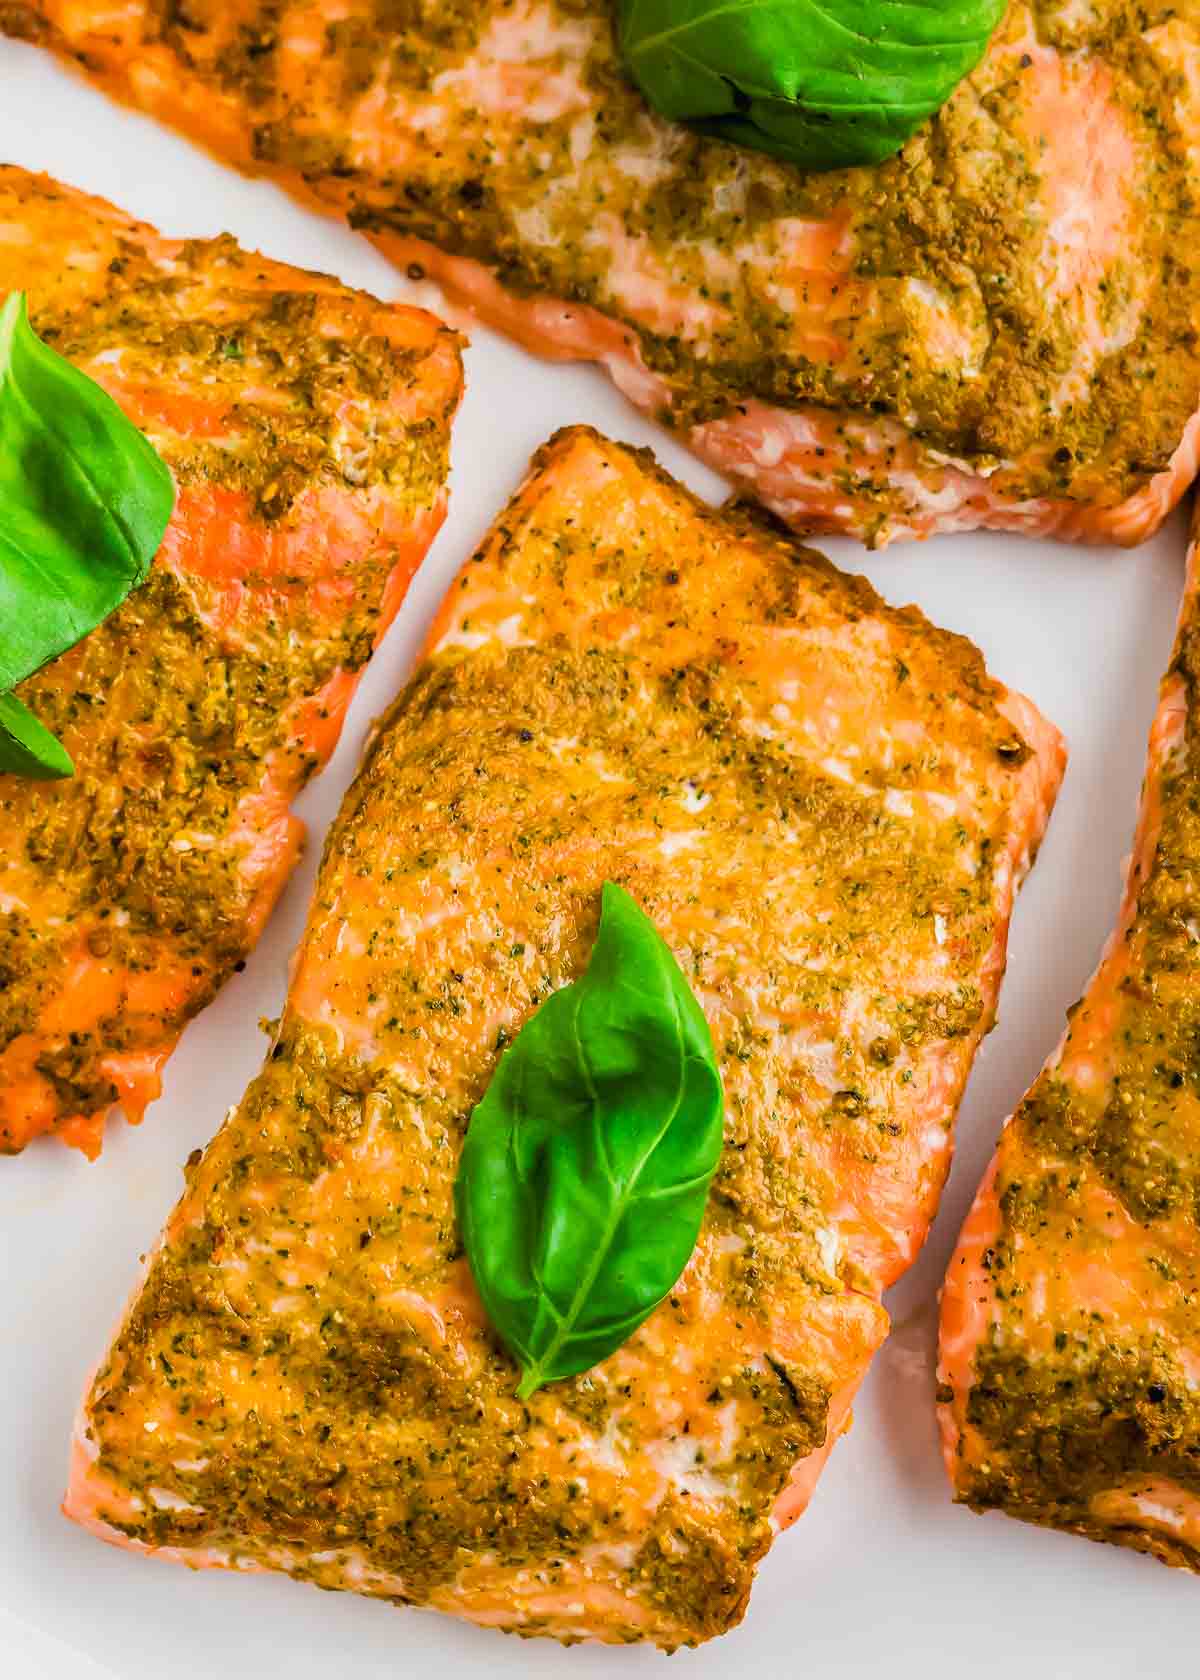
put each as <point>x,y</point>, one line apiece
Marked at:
<point>996,328</point>
<point>824,805</point>
<point>1070,1346</point>
<point>306,427</point>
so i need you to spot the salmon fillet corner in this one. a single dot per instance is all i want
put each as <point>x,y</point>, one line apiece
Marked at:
<point>1070,1350</point>
<point>307,430</point>
<point>995,328</point>
<point>825,805</point>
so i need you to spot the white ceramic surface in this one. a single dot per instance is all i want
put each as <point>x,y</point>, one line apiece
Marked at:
<point>883,1574</point>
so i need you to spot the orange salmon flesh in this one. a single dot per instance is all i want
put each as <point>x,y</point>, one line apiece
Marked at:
<point>1070,1346</point>
<point>825,805</point>
<point>307,429</point>
<point>995,328</point>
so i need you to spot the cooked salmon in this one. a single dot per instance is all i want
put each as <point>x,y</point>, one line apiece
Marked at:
<point>825,806</point>
<point>997,328</point>
<point>1070,1353</point>
<point>306,427</point>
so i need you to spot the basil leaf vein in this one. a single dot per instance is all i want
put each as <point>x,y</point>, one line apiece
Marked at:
<point>84,502</point>
<point>826,84</point>
<point>586,1167</point>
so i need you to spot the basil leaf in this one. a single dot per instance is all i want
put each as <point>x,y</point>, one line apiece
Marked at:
<point>586,1167</point>
<point>26,749</point>
<point>825,84</point>
<point>84,502</point>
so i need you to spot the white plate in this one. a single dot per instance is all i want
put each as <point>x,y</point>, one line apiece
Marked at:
<point>883,1572</point>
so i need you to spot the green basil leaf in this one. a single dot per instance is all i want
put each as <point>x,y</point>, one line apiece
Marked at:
<point>825,84</point>
<point>586,1167</point>
<point>84,502</point>
<point>26,749</point>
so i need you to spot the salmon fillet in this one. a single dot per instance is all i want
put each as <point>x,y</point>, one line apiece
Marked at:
<point>996,328</point>
<point>825,806</point>
<point>306,427</point>
<point>1070,1348</point>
